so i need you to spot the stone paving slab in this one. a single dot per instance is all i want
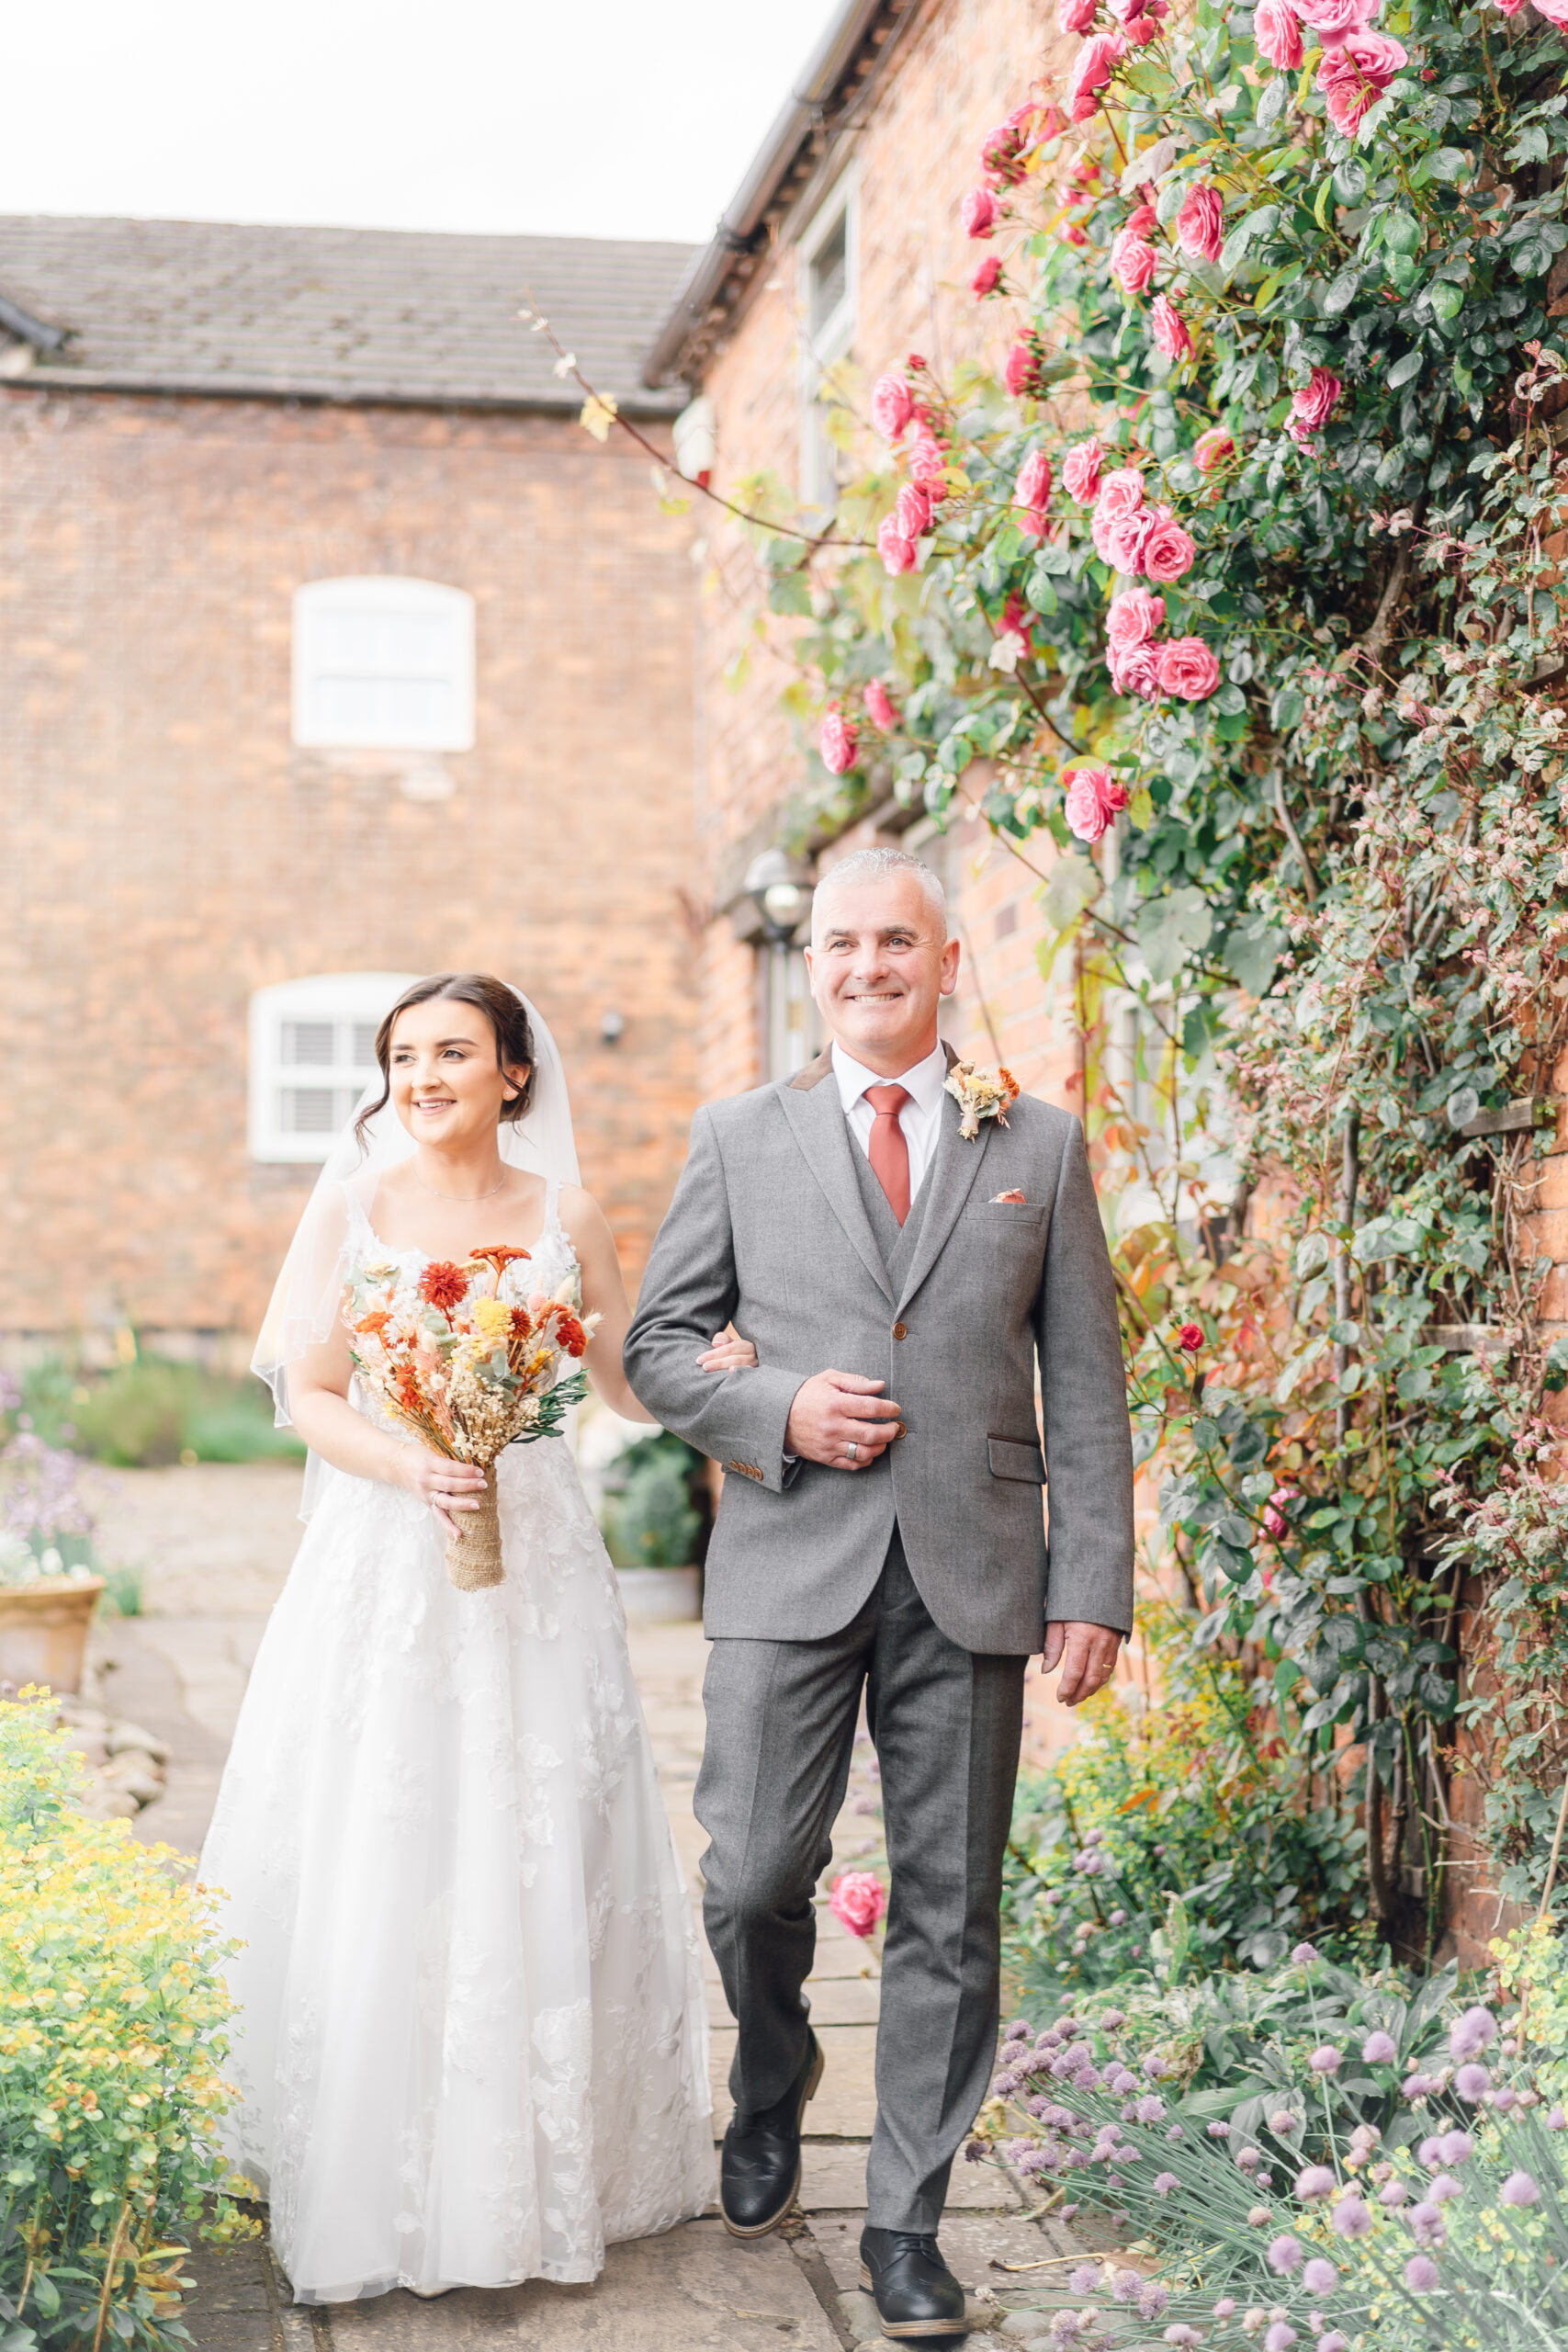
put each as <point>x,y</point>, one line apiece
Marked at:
<point>834,2180</point>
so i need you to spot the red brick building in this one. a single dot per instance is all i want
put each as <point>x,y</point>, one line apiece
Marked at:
<point>331,649</point>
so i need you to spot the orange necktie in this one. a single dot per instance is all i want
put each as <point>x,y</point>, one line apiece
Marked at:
<point>889,1154</point>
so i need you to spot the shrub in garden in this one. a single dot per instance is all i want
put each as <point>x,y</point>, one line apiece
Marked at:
<point>650,1520</point>
<point>151,1413</point>
<point>111,2014</point>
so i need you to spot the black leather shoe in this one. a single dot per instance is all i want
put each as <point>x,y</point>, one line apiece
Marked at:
<point>916,2292</point>
<point>759,2172</point>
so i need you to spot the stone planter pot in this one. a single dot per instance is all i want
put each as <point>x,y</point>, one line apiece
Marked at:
<point>44,1630</point>
<point>659,1596</point>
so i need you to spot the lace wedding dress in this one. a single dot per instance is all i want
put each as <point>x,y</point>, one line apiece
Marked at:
<point>470,2044</point>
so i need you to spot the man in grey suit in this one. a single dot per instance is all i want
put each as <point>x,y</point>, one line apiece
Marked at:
<point>889,1541</point>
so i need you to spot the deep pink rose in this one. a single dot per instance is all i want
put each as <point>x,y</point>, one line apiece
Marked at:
<point>1136,671</point>
<point>1169,329</point>
<point>898,554</point>
<point>928,465</point>
<point>985,280</point>
<point>836,741</point>
<point>1189,1338</point>
<point>1141,30</point>
<point>1276,30</point>
<point>1121,492</point>
<point>1132,261</point>
<point>978,213</point>
<point>1002,151</point>
<point>1076,16</point>
<point>1354,76</point>
<point>892,406</point>
<point>1331,20</point>
<point>1212,448</point>
<point>858,1900</point>
<point>1093,798</point>
<point>880,706</point>
<point>1313,406</point>
<point>1071,234</point>
<point>1092,69</point>
<point>1200,223</point>
<point>1141,221</point>
<point>1033,485</point>
<point>1021,373</point>
<point>1052,123</point>
<point>1188,668</point>
<point>1133,619</point>
<point>1167,551</point>
<point>1080,471</point>
<point>913,512</point>
<point>1124,11</point>
<point>1510,8</point>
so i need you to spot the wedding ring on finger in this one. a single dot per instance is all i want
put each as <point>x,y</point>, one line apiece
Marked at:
<point>852,1449</point>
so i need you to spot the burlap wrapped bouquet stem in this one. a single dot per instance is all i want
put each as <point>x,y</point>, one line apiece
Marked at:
<point>473,1554</point>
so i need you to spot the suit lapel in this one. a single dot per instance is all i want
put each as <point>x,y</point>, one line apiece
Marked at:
<point>953,1172</point>
<point>816,1117</point>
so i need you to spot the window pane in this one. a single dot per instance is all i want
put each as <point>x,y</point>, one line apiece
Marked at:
<point>830,272</point>
<point>308,1041</point>
<point>308,1111</point>
<point>365,1044</point>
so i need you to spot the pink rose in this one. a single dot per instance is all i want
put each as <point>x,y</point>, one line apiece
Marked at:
<point>978,213</point>
<point>1188,668</point>
<point>892,406</point>
<point>898,554</point>
<point>1133,619</point>
<point>1121,492</point>
<point>1555,11</point>
<point>1169,329</point>
<point>1080,471</point>
<point>1124,11</point>
<point>1076,16</point>
<point>1167,551</point>
<point>1276,30</point>
<point>1132,261</point>
<point>1092,69</point>
<point>1136,671</point>
<point>1313,406</point>
<point>836,741</point>
<point>1119,540</point>
<point>1052,123</point>
<point>1200,223</point>
<point>1093,798</point>
<point>1143,30</point>
<point>1021,373</point>
<point>1071,234</point>
<point>928,465</point>
<point>1331,20</point>
<point>1211,449</point>
<point>858,1901</point>
<point>1002,151</point>
<point>880,706</point>
<point>985,280</point>
<point>1033,485</point>
<point>1189,1338</point>
<point>1510,8</point>
<point>913,512</point>
<point>1141,221</point>
<point>1354,76</point>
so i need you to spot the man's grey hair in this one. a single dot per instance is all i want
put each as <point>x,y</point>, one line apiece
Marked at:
<point>880,866</point>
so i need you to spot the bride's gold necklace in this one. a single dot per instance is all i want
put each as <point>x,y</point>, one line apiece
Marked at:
<point>432,1194</point>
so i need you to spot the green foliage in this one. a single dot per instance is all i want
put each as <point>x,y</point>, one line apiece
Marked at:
<point>111,2014</point>
<point>650,1520</point>
<point>153,1412</point>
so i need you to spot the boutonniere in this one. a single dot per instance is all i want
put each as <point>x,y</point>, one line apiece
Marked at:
<point>980,1094</point>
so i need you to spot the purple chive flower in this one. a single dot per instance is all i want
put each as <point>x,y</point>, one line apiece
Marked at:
<point>1430,2152</point>
<point>1417,2086</point>
<point>1248,2159</point>
<point>1150,2109</point>
<point>1182,2334</point>
<point>1557,2120</point>
<point>1152,2301</point>
<point>1084,2279</point>
<point>1283,2122</point>
<point>1442,2190</point>
<point>1017,2030</point>
<point>1280,2336</point>
<point>1065,2325</point>
<point>1117,1918</point>
<point>1456,2146</point>
<point>1326,2061</point>
<point>1504,2098</point>
<point>1175,2133</point>
<point>1351,2218</point>
<point>1259,2218</point>
<point>1380,2050</point>
<point>1112,2019</point>
<point>1155,2067</point>
<point>1071,2213</point>
<point>1393,2192</point>
<point>1304,1954</point>
<point>1222,2130</point>
<point>1285,2254</point>
<point>1125,2286</point>
<point>1520,2188</point>
<point>1165,2182</point>
<point>1316,2181</point>
<point>1472,2032</point>
<point>1334,2342</point>
<point>1224,2308</point>
<point>1320,2277</point>
<point>1427,2227</point>
<point>1421,2274</point>
<point>1473,2083</point>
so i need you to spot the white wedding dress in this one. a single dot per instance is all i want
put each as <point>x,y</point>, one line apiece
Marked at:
<point>472,2040</point>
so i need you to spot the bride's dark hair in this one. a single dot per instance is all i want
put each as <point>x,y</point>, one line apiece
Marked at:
<point>502,1008</point>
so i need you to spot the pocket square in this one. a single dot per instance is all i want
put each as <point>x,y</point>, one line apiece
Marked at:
<point>1010,1200</point>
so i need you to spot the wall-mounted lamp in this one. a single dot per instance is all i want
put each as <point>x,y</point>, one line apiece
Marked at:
<point>611,1028</point>
<point>779,895</point>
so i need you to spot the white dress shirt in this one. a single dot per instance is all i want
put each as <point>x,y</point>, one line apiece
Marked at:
<point>918,1119</point>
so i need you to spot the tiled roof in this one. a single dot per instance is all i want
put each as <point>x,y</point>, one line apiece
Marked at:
<point>336,314</point>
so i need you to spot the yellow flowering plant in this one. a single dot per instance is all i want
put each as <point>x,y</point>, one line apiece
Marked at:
<point>112,2009</point>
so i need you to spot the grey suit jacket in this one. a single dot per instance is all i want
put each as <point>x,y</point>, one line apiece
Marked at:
<point>768,1228</point>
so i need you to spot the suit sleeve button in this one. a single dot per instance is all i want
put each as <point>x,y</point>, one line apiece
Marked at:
<point>900,1330</point>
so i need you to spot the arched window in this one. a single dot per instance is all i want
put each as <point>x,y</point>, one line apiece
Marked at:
<point>383,665</point>
<point>312,1055</point>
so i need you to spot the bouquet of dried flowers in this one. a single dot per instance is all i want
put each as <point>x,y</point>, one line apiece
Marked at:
<point>454,1354</point>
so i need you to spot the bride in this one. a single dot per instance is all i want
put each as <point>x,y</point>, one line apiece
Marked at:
<point>470,2039</point>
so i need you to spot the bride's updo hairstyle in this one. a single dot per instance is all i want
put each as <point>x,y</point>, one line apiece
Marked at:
<point>501,1007</point>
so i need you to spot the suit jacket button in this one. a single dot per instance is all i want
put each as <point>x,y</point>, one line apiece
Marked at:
<point>900,1330</point>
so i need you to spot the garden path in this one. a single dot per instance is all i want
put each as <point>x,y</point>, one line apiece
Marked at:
<point>214,1544</point>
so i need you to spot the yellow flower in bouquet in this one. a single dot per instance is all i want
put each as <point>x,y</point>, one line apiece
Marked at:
<point>454,1355</point>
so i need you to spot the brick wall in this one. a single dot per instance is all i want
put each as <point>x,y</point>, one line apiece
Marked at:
<point>167,850</point>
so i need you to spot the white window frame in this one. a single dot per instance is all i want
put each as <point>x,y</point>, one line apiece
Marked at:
<point>328,611</point>
<point>822,347</point>
<point>340,1001</point>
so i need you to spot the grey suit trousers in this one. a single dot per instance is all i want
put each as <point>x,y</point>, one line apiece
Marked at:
<point>946,1723</point>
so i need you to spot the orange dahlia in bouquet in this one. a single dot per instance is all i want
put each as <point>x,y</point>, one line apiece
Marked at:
<point>462,1358</point>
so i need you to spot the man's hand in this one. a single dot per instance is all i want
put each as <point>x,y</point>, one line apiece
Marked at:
<point>1085,1654</point>
<point>838,1418</point>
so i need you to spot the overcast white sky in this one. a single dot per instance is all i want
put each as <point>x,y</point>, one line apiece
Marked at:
<point>587,117</point>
